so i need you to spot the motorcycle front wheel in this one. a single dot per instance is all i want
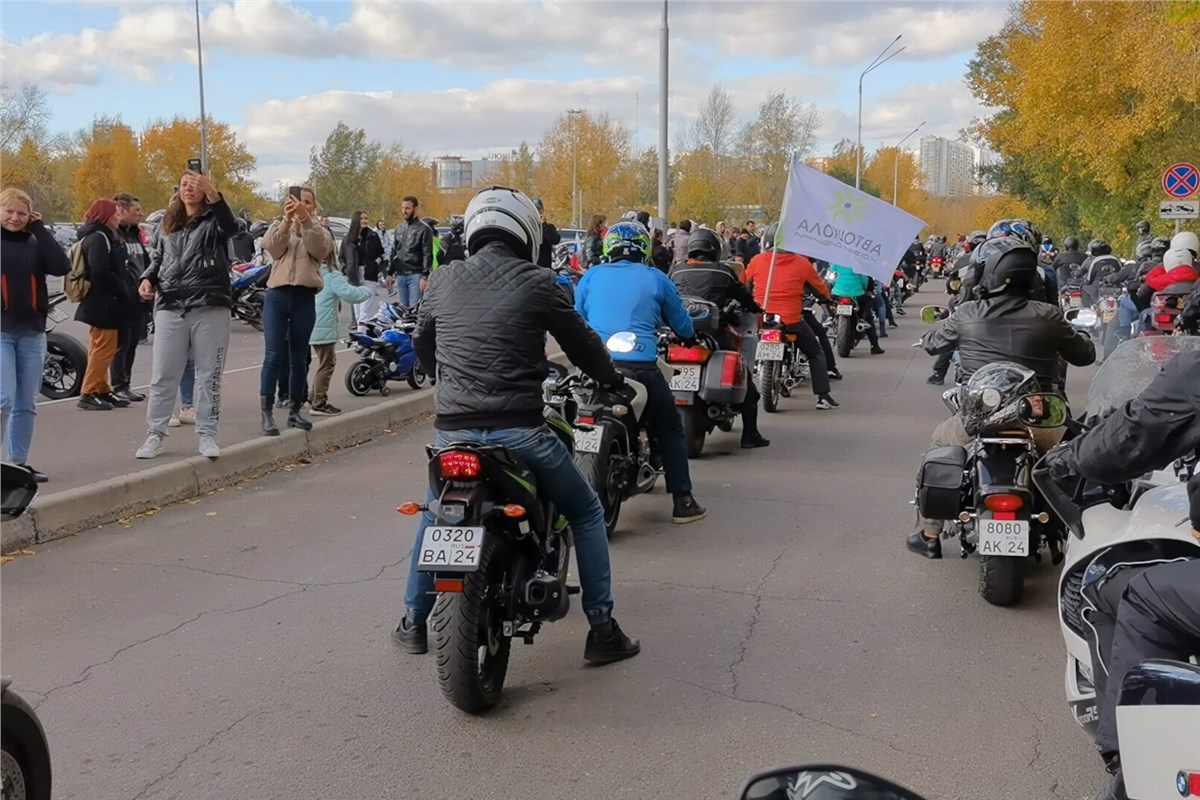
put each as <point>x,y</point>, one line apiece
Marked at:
<point>25,757</point>
<point>65,363</point>
<point>602,471</point>
<point>695,429</point>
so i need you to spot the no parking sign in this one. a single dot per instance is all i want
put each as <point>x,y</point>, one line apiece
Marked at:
<point>1181,181</point>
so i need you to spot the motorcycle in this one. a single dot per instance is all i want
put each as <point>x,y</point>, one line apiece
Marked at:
<point>66,358</point>
<point>709,383</point>
<point>612,447</point>
<point>848,326</point>
<point>1165,306</point>
<point>25,772</point>
<point>249,285</point>
<point>778,362</point>
<point>936,265</point>
<point>499,552</point>
<point>1070,296</point>
<point>387,356</point>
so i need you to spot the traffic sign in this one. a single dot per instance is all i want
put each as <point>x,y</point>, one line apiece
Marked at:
<point>1181,181</point>
<point>1179,209</point>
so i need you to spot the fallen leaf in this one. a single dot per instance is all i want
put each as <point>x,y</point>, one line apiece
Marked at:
<point>6,559</point>
<point>27,552</point>
<point>211,514</point>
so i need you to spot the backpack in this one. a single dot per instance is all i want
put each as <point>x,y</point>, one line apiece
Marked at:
<point>78,284</point>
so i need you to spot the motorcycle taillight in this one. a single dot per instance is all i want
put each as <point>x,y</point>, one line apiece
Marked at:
<point>771,336</point>
<point>458,465</point>
<point>677,353</point>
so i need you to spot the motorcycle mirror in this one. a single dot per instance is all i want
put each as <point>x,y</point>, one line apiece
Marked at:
<point>822,782</point>
<point>1043,411</point>
<point>1082,317</point>
<point>17,490</point>
<point>622,342</point>
<point>932,314</point>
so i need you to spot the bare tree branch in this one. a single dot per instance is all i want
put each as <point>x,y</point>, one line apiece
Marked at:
<point>24,112</point>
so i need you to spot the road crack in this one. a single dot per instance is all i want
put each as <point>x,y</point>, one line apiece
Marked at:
<point>755,615</point>
<point>179,764</point>
<point>280,581</point>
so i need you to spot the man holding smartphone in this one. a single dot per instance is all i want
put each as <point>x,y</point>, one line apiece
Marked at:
<point>412,253</point>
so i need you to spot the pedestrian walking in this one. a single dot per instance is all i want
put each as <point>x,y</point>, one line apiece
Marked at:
<point>299,246</point>
<point>137,259</point>
<point>28,253</point>
<point>189,280</point>
<point>412,253</point>
<point>335,291</point>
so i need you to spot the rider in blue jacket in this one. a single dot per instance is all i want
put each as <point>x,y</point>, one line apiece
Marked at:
<point>850,284</point>
<point>626,294</point>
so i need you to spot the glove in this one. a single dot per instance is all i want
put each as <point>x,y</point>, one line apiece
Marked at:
<point>690,342</point>
<point>614,384</point>
<point>1060,462</point>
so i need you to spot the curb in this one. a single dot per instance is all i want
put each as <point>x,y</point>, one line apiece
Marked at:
<point>62,514</point>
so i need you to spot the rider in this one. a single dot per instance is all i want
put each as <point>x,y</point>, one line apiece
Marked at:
<point>705,276</point>
<point>792,275</point>
<point>452,246</point>
<point>861,290</point>
<point>1048,252</point>
<point>1143,234</point>
<point>1159,615</point>
<point>1099,264</point>
<point>1004,326</point>
<point>962,269</point>
<point>1068,261</point>
<point>627,294</point>
<point>481,331</point>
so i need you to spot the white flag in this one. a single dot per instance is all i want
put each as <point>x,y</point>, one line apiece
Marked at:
<point>826,219</point>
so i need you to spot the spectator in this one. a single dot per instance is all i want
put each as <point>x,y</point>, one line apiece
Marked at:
<point>751,245</point>
<point>289,309</point>
<point>334,292</point>
<point>364,264</point>
<point>726,252</point>
<point>108,305</point>
<point>681,241</point>
<point>593,243</point>
<point>660,254</point>
<point>28,253</point>
<point>241,245</point>
<point>189,273</point>
<point>550,238</point>
<point>644,218</point>
<point>412,253</point>
<point>385,239</point>
<point>187,398</point>
<point>137,259</point>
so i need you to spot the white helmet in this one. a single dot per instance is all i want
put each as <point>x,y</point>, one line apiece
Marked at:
<point>1177,257</point>
<point>498,208</point>
<point>1187,240</point>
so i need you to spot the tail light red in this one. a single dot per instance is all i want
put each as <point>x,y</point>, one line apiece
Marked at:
<point>456,465</point>
<point>677,353</point>
<point>771,336</point>
<point>730,371</point>
<point>845,301</point>
<point>1003,502</point>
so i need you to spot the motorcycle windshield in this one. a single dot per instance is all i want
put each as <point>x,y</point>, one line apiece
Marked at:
<point>1131,367</point>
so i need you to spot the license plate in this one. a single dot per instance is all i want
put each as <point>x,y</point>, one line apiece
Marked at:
<point>1003,537</point>
<point>447,547</point>
<point>58,315</point>
<point>687,378</point>
<point>1076,302</point>
<point>588,441</point>
<point>845,310</point>
<point>769,351</point>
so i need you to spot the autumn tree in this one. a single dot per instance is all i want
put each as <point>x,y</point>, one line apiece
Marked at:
<point>399,172</point>
<point>607,180</point>
<point>517,170</point>
<point>166,146</point>
<point>783,127</point>
<point>111,163</point>
<point>343,169</point>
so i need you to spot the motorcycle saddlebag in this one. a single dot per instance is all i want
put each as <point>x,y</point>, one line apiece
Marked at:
<point>939,486</point>
<point>724,379</point>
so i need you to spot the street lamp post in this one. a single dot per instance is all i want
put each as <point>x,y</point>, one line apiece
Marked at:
<point>203,117</point>
<point>878,62</point>
<point>663,159</point>
<point>896,172</point>
<point>574,113</point>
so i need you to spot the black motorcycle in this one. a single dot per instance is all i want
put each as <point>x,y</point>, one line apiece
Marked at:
<point>848,326</point>
<point>66,357</point>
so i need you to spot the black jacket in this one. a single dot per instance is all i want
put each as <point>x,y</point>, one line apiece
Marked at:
<point>1147,433</point>
<point>1014,329</point>
<point>362,258</point>
<point>412,248</point>
<point>110,302</point>
<point>26,258</point>
<point>137,257</point>
<point>190,267</point>
<point>481,331</point>
<point>453,248</point>
<point>550,238</point>
<point>241,244</point>
<point>714,282</point>
<point>1065,265</point>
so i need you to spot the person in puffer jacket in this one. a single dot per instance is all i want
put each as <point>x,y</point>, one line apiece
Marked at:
<point>1177,267</point>
<point>336,290</point>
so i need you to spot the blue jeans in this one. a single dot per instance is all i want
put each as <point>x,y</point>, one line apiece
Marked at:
<point>558,476</point>
<point>289,314</point>
<point>410,289</point>
<point>22,359</point>
<point>1127,313</point>
<point>187,385</point>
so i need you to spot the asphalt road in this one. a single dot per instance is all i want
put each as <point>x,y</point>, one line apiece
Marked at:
<point>238,646</point>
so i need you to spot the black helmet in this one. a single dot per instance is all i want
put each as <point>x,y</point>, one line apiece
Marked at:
<point>992,391</point>
<point>1143,226</point>
<point>768,237</point>
<point>1099,247</point>
<point>1159,245</point>
<point>1008,262</point>
<point>1071,243</point>
<point>430,221</point>
<point>704,244</point>
<point>1142,250</point>
<point>456,225</point>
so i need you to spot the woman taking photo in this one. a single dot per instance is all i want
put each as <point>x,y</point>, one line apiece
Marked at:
<point>28,253</point>
<point>298,244</point>
<point>189,274</point>
<point>109,304</point>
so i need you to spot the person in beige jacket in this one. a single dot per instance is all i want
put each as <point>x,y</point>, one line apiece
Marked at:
<point>297,244</point>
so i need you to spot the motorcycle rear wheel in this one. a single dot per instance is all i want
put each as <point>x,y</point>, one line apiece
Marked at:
<point>65,363</point>
<point>25,761</point>
<point>360,378</point>
<point>1001,579</point>
<point>771,385</point>
<point>416,377</point>
<point>468,640</point>
<point>845,336</point>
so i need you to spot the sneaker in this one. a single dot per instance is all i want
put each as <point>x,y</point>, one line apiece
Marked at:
<point>187,416</point>
<point>208,447</point>
<point>129,394</point>
<point>825,402</point>
<point>93,402</point>
<point>115,401</point>
<point>283,402</point>
<point>174,422</point>
<point>687,509</point>
<point>757,440</point>
<point>935,379</point>
<point>411,638</point>
<point>893,323</point>
<point>606,647</point>
<point>325,410</point>
<point>922,545</point>
<point>153,447</point>
<point>835,374</point>
<point>876,350</point>
<point>883,334</point>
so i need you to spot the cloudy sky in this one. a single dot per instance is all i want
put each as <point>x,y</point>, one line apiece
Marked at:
<point>471,78</point>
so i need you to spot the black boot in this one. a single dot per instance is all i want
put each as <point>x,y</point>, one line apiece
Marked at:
<point>295,420</point>
<point>687,509</point>
<point>606,643</point>
<point>269,428</point>
<point>752,440</point>
<point>924,546</point>
<point>936,379</point>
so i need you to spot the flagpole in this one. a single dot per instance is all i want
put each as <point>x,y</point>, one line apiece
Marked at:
<point>787,189</point>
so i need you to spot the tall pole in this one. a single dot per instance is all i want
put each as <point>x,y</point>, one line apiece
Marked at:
<point>573,114</point>
<point>896,173</point>
<point>203,117</point>
<point>663,160</point>
<point>879,61</point>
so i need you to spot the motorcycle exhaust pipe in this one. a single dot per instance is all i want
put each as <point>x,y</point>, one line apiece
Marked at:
<point>714,412</point>
<point>790,383</point>
<point>646,474</point>
<point>546,597</point>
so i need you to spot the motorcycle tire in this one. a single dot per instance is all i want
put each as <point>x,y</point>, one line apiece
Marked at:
<point>416,377</point>
<point>467,632</point>
<point>601,471</point>
<point>1001,579</point>
<point>360,379</point>
<point>695,429</point>
<point>66,361</point>
<point>25,760</point>
<point>771,385</point>
<point>845,336</point>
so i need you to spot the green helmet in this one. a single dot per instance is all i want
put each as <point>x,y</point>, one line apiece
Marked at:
<point>627,241</point>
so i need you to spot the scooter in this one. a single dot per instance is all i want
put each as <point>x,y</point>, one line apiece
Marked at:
<point>66,358</point>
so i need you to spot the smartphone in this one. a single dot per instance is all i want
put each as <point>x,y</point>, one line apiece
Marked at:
<point>294,191</point>
<point>194,165</point>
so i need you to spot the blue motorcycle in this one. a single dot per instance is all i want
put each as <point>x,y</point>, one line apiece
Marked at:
<point>249,284</point>
<point>387,357</point>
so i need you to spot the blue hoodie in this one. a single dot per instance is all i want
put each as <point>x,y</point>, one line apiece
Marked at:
<point>628,296</point>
